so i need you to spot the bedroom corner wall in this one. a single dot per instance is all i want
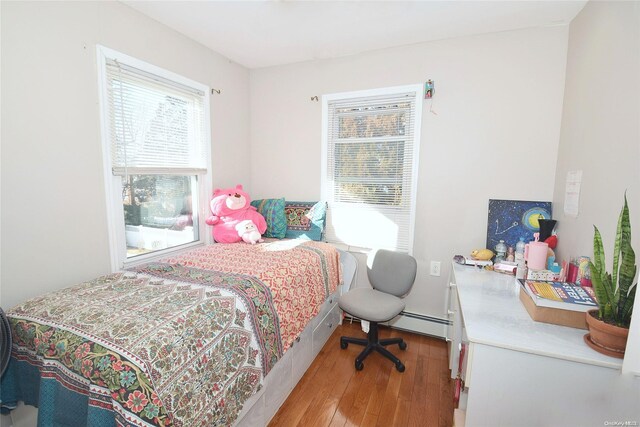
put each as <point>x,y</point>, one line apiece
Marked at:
<point>498,99</point>
<point>54,231</point>
<point>601,125</point>
<point>601,136</point>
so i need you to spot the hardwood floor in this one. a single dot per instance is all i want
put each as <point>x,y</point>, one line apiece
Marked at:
<point>332,393</point>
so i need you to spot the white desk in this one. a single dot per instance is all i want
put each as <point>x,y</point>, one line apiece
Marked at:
<point>524,373</point>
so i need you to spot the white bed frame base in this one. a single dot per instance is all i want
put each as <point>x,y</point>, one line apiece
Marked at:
<point>284,376</point>
<point>260,408</point>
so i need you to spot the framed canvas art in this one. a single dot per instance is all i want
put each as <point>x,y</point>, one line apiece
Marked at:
<point>511,219</point>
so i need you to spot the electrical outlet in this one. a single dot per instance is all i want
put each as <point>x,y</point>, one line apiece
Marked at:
<point>435,268</point>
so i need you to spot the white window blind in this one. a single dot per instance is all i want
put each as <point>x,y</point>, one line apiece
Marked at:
<point>371,168</point>
<point>155,124</point>
<point>156,138</point>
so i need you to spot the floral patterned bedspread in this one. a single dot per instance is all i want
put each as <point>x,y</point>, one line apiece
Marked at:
<point>185,341</point>
<point>300,281</point>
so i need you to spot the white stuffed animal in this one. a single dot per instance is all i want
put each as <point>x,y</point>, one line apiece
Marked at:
<point>249,232</point>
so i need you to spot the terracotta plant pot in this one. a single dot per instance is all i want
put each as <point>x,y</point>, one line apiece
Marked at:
<point>605,338</point>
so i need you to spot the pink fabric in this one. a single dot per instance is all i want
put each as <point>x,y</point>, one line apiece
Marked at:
<point>225,231</point>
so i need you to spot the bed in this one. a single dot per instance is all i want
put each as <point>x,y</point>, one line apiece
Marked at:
<point>193,339</point>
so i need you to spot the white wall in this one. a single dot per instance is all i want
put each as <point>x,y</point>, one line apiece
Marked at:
<point>601,125</point>
<point>601,134</point>
<point>54,230</point>
<point>498,99</point>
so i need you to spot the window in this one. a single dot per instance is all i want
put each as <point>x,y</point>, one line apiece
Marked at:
<point>156,145</point>
<point>370,166</point>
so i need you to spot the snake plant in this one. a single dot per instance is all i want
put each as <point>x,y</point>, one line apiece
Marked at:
<point>616,291</point>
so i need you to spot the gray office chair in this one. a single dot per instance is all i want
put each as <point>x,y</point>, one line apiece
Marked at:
<point>391,275</point>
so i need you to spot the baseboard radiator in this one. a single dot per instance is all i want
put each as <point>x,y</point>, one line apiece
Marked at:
<point>414,322</point>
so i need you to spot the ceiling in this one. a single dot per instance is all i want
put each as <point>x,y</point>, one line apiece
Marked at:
<point>260,34</point>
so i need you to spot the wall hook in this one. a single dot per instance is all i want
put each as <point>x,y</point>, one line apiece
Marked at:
<point>215,91</point>
<point>314,98</point>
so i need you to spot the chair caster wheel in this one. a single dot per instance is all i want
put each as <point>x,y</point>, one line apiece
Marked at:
<point>402,345</point>
<point>400,367</point>
<point>343,344</point>
<point>360,365</point>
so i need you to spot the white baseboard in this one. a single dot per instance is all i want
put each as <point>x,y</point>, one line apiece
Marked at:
<point>418,323</point>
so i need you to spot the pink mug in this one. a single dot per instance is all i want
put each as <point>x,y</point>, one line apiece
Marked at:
<point>535,253</point>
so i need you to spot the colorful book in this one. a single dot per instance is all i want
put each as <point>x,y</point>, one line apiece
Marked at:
<point>565,296</point>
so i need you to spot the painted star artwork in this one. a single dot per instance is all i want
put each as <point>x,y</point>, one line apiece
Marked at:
<point>511,219</point>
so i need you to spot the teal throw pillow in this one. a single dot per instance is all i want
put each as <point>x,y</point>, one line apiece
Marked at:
<point>273,212</point>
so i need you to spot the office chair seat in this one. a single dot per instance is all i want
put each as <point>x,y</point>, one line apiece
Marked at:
<point>372,305</point>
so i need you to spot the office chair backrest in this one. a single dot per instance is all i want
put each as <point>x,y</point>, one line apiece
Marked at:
<point>391,272</point>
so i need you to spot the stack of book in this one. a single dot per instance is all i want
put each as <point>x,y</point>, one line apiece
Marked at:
<point>558,303</point>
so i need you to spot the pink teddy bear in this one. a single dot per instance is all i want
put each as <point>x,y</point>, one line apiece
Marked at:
<point>229,207</point>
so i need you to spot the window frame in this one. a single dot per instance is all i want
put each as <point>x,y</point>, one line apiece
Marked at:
<point>113,183</point>
<point>417,90</point>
